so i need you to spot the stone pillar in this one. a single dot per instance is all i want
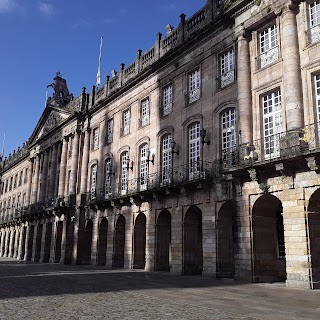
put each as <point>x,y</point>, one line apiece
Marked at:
<point>85,161</point>
<point>291,70</point>
<point>74,164</point>
<point>64,236</point>
<point>95,236</point>
<point>209,246</point>
<point>176,241</point>
<point>110,239</point>
<point>35,182</point>
<point>44,175</point>
<point>29,182</point>
<point>244,91</point>
<point>150,240</point>
<point>3,239</point>
<point>297,264</point>
<point>128,246</point>
<point>53,240</point>
<point>26,243</point>
<point>53,172</point>
<point>43,240</point>
<point>63,165</point>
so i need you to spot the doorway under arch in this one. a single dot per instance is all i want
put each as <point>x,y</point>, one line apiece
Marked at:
<point>314,237</point>
<point>119,242</point>
<point>163,232</point>
<point>269,263</point>
<point>87,242</point>
<point>139,246</point>
<point>225,243</point>
<point>192,244</point>
<point>102,242</point>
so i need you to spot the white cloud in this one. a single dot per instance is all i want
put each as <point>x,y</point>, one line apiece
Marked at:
<point>46,8</point>
<point>6,5</point>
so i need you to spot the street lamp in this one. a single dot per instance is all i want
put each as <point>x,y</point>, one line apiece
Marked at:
<point>203,134</point>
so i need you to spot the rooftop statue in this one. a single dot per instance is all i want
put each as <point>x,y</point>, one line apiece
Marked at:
<point>61,93</point>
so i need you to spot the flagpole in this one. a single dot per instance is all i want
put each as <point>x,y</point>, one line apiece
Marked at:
<point>99,65</point>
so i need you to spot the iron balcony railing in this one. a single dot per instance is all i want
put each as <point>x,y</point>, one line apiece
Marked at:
<point>268,57</point>
<point>178,176</point>
<point>314,34</point>
<point>284,145</point>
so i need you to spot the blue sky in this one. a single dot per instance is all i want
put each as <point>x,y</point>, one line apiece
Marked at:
<point>39,38</point>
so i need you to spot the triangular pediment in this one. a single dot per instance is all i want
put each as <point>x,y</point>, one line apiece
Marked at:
<point>51,118</point>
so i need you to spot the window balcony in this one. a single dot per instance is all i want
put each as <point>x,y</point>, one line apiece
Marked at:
<point>192,96</point>
<point>268,57</point>
<point>285,145</point>
<point>166,109</point>
<point>185,175</point>
<point>227,78</point>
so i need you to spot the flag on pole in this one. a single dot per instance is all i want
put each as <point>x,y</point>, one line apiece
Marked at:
<point>99,65</point>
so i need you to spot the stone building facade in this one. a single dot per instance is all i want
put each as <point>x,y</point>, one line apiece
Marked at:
<point>200,157</point>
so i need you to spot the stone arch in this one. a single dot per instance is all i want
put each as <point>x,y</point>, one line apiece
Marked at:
<point>225,242</point>
<point>58,244</point>
<point>192,241</point>
<point>139,245</point>
<point>87,242</point>
<point>163,238</point>
<point>47,242</point>
<point>102,242</point>
<point>30,242</point>
<point>314,236</point>
<point>119,242</point>
<point>38,242</point>
<point>269,264</point>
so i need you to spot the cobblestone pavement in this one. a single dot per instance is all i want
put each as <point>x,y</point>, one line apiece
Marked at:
<point>54,291</point>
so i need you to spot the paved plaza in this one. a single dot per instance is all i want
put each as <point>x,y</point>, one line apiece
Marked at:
<point>55,291</point>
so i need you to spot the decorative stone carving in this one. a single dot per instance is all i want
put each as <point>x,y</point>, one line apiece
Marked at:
<point>253,174</point>
<point>312,163</point>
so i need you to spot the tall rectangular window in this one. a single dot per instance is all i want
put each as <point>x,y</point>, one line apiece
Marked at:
<point>194,85</point>
<point>227,68</point>
<point>108,173</point>
<point>317,93</point>
<point>145,112</point>
<point>95,139</point>
<point>268,46</point>
<point>167,100</point>
<point>93,188</point>
<point>228,133</point>
<point>314,17</point>
<point>272,123</point>
<point>70,147</point>
<point>126,122</point>
<point>124,172</point>
<point>144,166</point>
<point>166,157</point>
<point>25,178</point>
<point>194,150</point>
<point>109,131</point>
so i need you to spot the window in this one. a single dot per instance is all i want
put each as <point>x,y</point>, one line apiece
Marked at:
<point>23,200</point>
<point>95,139</point>
<point>268,45</point>
<point>227,68</point>
<point>317,93</point>
<point>93,185</point>
<point>108,173</point>
<point>272,123</point>
<point>167,100</point>
<point>144,166</point>
<point>166,160</point>
<point>68,181</point>
<point>124,172</point>
<point>126,122</point>
<point>314,16</point>
<point>145,113</point>
<point>228,135</point>
<point>109,131</point>
<point>25,178</point>
<point>194,86</point>
<point>20,179</point>
<point>194,150</point>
